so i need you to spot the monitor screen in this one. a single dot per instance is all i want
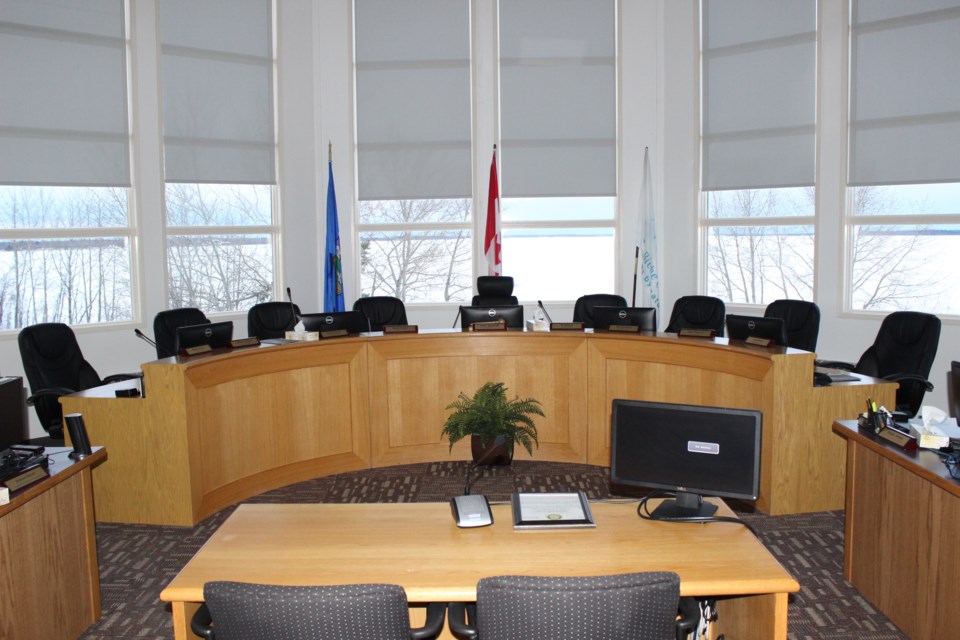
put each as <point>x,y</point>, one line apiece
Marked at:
<point>512,313</point>
<point>350,321</point>
<point>692,450</point>
<point>643,317</point>
<point>214,334</point>
<point>743,327</point>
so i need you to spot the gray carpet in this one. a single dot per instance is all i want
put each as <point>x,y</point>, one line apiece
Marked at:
<point>137,561</point>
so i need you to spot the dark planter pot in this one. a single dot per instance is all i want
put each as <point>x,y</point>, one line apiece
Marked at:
<point>496,453</point>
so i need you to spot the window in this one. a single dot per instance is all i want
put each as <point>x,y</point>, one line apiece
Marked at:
<point>65,230</point>
<point>217,68</point>
<point>903,200</point>
<point>758,94</point>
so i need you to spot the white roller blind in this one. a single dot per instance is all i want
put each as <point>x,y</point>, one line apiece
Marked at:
<point>413,99</point>
<point>217,71</point>
<point>558,97</point>
<point>904,92</point>
<point>63,93</point>
<point>758,93</point>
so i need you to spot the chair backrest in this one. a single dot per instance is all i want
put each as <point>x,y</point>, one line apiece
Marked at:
<point>381,310</point>
<point>166,323</point>
<point>697,312</point>
<point>801,319</point>
<point>494,291</point>
<point>351,321</point>
<point>906,343</point>
<point>242,611</point>
<point>955,387</point>
<point>271,319</point>
<point>583,308</point>
<point>633,606</point>
<point>52,359</point>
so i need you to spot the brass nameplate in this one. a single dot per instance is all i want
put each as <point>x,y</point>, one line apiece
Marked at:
<point>400,328</point>
<point>624,328</point>
<point>334,333</point>
<point>200,348</point>
<point>25,478</point>
<point>760,342</point>
<point>493,325</point>
<point>696,333</point>
<point>898,438</point>
<point>566,326</point>
<point>244,342</point>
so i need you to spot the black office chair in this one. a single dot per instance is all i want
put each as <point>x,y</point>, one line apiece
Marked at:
<point>801,319</point>
<point>632,606</point>
<point>243,611</point>
<point>903,351</point>
<point>583,308</point>
<point>381,310</point>
<point>55,366</point>
<point>494,291</point>
<point>351,321</point>
<point>271,319</point>
<point>166,323</point>
<point>955,384</point>
<point>697,312</point>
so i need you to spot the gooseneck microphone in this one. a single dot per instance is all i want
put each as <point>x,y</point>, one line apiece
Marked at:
<point>459,309</point>
<point>142,336</point>
<point>544,309</point>
<point>293,309</point>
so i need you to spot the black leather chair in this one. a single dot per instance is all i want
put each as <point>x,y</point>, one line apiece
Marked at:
<point>955,384</point>
<point>381,310</point>
<point>494,291</point>
<point>903,351</point>
<point>55,366</point>
<point>801,319</point>
<point>697,312</point>
<point>166,323</point>
<point>583,308</point>
<point>244,611</point>
<point>271,319</point>
<point>632,606</point>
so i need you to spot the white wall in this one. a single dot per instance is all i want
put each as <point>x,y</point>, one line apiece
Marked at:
<point>658,109</point>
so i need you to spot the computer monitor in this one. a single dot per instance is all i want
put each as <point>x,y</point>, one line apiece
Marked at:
<point>643,317</point>
<point>350,321</point>
<point>743,327</point>
<point>213,334</point>
<point>512,313</point>
<point>694,451</point>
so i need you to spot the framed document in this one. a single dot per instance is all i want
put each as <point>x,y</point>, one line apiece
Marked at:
<point>551,510</point>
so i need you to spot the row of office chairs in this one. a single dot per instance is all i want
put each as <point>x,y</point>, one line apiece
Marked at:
<point>635,606</point>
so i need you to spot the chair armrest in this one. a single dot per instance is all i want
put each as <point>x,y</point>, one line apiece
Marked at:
<point>56,392</point>
<point>457,614</point>
<point>897,377</point>
<point>835,364</point>
<point>119,377</point>
<point>688,618</point>
<point>202,623</point>
<point>436,612</point>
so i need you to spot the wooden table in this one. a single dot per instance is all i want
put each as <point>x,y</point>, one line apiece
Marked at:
<point>419,547</point>
<point>901,547</point>
<point>49,578</point>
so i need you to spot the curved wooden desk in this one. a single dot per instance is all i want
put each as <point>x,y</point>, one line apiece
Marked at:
<point>217,428</point>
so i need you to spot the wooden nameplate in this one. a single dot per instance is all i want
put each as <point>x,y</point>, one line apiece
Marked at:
<point>200,348</point>
<point>624,328</point>
<point>760,342</point>
<point>697,333</point>
<point>400,328</point>
<point>566,326</point>
<point>493,325</point>
<point>244,342</point>
<point>25,478</point>
<point>898,438</point>
<point>334,333</point>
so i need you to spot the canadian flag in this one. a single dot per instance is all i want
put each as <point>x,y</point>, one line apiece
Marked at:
<point>491,239</point>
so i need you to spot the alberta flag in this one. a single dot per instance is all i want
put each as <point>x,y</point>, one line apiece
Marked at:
<point>647,241</point>
<point>333,271</point>
<point>491,239</point>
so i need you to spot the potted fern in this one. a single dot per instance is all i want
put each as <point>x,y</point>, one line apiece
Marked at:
<point>494,422</point>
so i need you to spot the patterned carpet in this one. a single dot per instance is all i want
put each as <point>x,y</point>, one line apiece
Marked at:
<point>137,561</point>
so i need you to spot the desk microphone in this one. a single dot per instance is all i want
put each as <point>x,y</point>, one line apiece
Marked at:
<point>544,309</point>
<point>293,309</point>
<point>459,309</point>
<point>153,344</point>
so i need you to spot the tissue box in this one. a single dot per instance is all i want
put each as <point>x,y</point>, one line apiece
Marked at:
<point>303,336</point>
<point>929,436</point>
<point>533,325</point>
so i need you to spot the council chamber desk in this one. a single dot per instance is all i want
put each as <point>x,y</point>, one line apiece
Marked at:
<point>220,427</point>
<point>419,547</point>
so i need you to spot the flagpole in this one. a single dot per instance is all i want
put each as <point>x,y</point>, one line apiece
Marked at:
<point>636,262</point>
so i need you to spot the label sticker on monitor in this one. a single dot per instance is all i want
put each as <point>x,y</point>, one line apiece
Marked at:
<point>712,448</point>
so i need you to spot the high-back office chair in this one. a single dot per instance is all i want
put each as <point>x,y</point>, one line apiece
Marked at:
<point>583,308</point>
<point>903,351</point>
<point>271,319</point>
<point>801,319</point>
<point>955,385</point>
<point>244,611</point>
<point>632,606</point>
<point>381,310</point>
<point>697,312</point>
<point>494,291</point>
<point>55,366</point>
<point>166,323</point>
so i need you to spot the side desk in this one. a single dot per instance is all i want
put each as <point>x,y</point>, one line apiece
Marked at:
<point>49,575</point>
<point>419,547</point>
<point>901,548</point>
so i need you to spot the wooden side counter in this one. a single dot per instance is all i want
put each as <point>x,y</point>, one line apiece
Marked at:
<point>217,428</point>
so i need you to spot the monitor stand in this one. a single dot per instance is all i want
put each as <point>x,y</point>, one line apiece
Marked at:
<point>686,505</point>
